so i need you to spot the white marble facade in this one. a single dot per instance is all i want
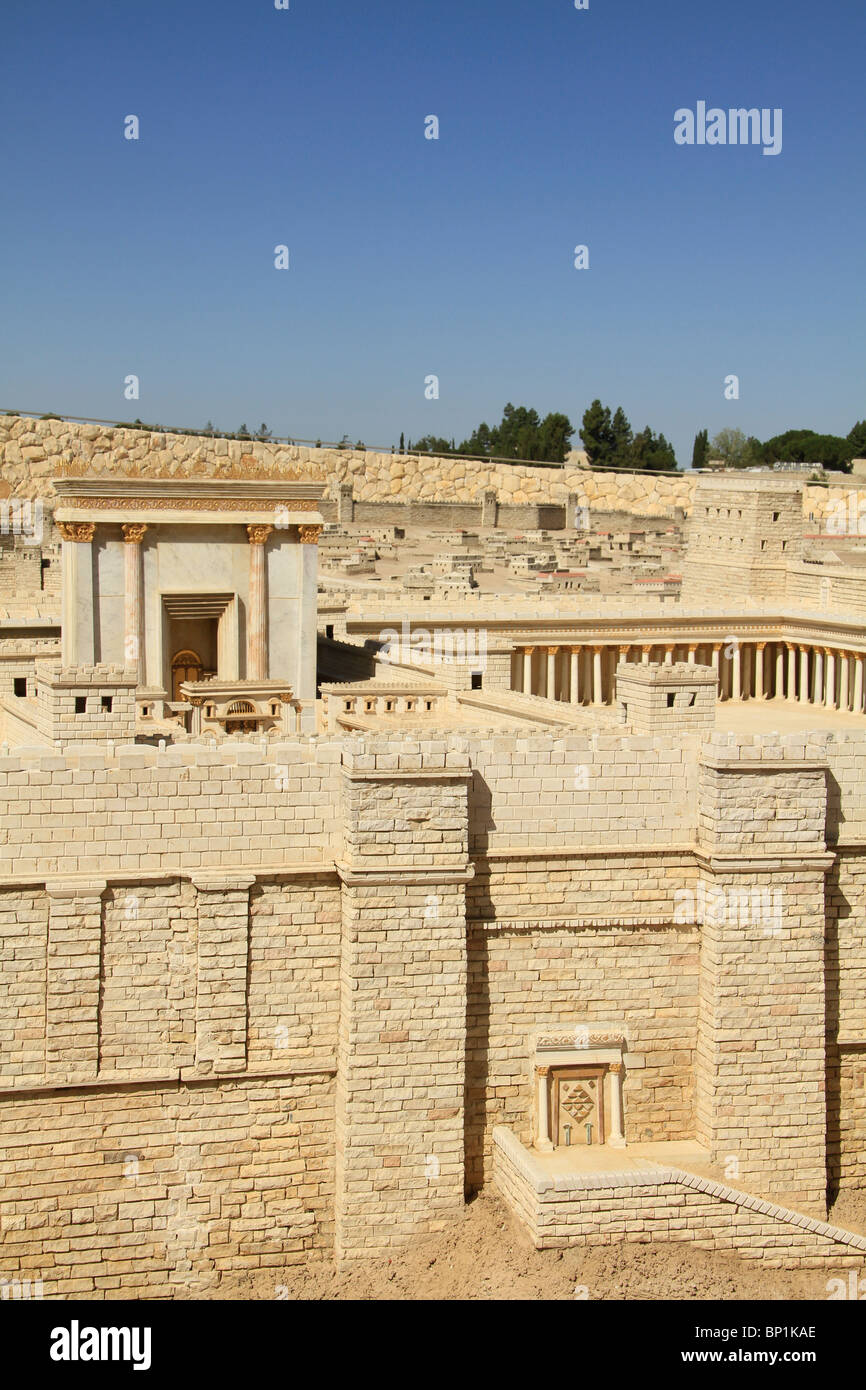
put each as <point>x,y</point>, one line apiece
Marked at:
<point>145,558</point>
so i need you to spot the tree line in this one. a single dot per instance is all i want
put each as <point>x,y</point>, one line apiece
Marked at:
<point>832,451</point>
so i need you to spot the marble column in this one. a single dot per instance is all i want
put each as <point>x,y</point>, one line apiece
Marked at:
<point>615,1136</point>
<point>669,653</point>
<point>133,598</point>
<point>759,670</point>
<point>574,676</point>
<point>542,1139</point>
<point>78,646</point>
<point>858,683</point>
<point>844,681</point>
<point>692,654</point>
<point>716,663</point>
<point>736,676</point>
<point>550,692</point>
<point>830,678</point>
<point>195,715</point>
<point>596,676</point>
<point>804,675</point>
<point>818,690</point>
<point>779,692</point>
<point>792,671</point>
<point>257,612</point>
<point>645,652</point>
<point>527,670</point>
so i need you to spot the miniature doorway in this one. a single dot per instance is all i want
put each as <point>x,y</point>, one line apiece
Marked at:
<point>577,1105</point>
<point>185,666</point>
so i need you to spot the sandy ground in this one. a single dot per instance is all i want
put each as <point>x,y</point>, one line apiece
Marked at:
<point>486,1254</point>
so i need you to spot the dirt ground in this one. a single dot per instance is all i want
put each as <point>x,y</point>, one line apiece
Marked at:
<point>486,1254</point>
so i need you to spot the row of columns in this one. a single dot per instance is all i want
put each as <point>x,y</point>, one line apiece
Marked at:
<point>808,673</point>
<point>79,597</point>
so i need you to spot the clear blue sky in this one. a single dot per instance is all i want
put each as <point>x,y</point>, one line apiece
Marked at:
<point>411,256</point>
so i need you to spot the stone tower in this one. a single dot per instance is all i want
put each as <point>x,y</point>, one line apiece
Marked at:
<point>741,537</point>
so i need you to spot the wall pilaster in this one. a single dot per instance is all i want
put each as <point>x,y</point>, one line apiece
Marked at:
<point>401,1059</point>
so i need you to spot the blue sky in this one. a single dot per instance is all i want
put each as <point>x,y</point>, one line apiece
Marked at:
<point>412,257</point>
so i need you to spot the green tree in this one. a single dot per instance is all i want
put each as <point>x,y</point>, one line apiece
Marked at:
<point>652,452</point>
<point>805,446</point>
<point>700,449</point>
<point>623,438</point>
<point>432,444</point>
<point>857,440</point>
<point>597,435</point>
<point>731,445</point>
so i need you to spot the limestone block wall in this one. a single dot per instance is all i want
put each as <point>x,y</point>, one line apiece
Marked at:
<point>761,1050</point>
<point>827,588</point>
<point>593,789</point>
<point>31,451</point>
<point>643,978</point>
<point>845,962</point>
<point>401,1079</point>
<point>666,1204</point>
<point>156,1190</point>
<point>18,657</point>
<point>366,933</point>
<point>185,808</point>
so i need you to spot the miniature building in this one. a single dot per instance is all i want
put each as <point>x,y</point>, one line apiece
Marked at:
<point>742,535</point>
<point>187,579</point>
<point>656,698</point>
<point>85,703</point>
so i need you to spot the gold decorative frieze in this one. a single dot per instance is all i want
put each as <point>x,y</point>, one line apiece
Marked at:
<point>192,504</point>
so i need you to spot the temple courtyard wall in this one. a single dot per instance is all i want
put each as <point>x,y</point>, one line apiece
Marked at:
<point>32,450</point>
<point>261,1005</point>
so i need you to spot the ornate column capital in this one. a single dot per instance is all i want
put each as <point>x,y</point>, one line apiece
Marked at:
<point>551,651</point>
<point>542,1071</point>
<point>309,535</point>
<point>616,1068</point>
<point>133,532</point>
<point>258,534</point>
<point>760,646</point>
<point>79,531</point>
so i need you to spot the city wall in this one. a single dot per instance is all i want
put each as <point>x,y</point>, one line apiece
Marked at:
<point>207,1069</point>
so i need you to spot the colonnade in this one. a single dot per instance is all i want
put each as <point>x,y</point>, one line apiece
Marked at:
<point>806,672</point>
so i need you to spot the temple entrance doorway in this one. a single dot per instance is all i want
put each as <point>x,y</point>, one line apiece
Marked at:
<point>577,1105</point>
<point>185,666</point>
